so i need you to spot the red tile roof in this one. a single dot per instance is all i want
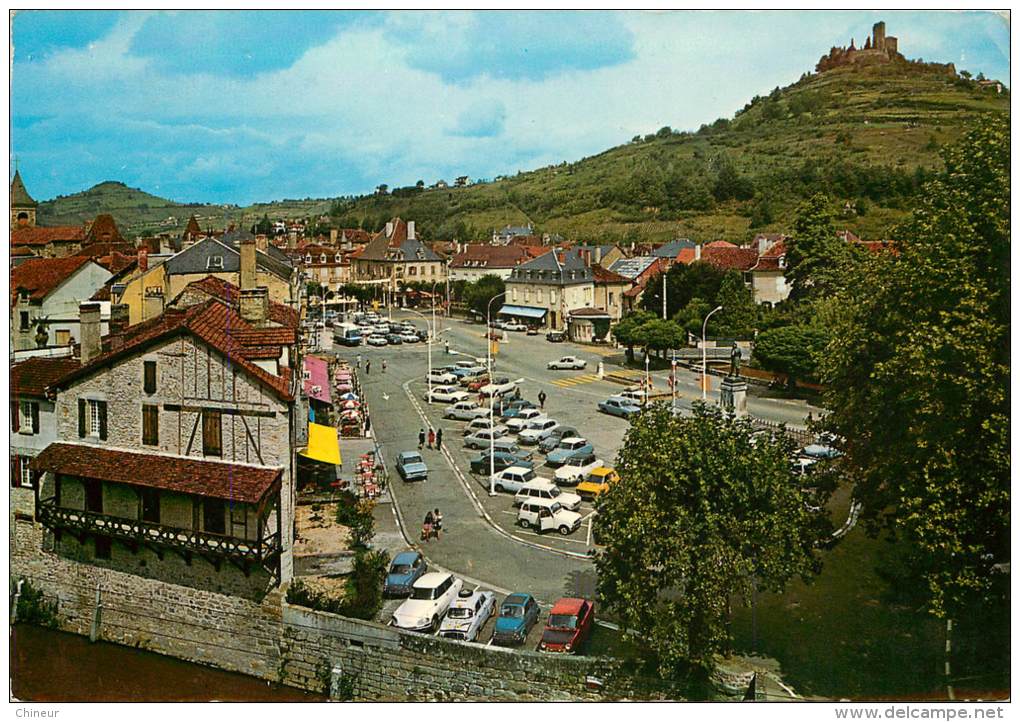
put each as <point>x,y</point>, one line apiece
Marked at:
<point>720,244</point>
<point>40,276</point>
<point>185,475</point>
<point>32,376</point>
<point>106,248</point>
<point>735,259</point>
<point>482,255</point>
<point>104,230</point>
<point>226,291</point>
<point>604,275</point>
<point>355,235</point>
<point>213,323</point>
<point>41,235</point>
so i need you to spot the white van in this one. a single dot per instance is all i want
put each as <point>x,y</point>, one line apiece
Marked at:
<point>547,514</point>
<point>545,489</point>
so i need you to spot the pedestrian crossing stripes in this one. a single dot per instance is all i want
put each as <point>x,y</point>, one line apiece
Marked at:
<point>575,380</point>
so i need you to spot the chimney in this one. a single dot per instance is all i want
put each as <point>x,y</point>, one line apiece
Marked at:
<point>119,317</point>
<point>143,259</point>
<point>88,334</point>
<point>247,272</point>
<point>410,230</point>
<point>697,252</point>
<point>598,254</point>
<point>262,242</point>
<point>333,234</point>
<point>389,229</point>
<point>255,305</point>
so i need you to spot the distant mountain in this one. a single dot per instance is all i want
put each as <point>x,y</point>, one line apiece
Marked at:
<point>867,134</point>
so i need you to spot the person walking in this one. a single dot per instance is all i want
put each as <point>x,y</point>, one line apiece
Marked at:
<point>432,437</point>
<point>428,527</point>
<point>437,522</point>
<point>368,367</point>
<point>384,365</point>
<point>421,439</point>
<point>439,439</point>
<point>357,364</point>
<point>541,399</point>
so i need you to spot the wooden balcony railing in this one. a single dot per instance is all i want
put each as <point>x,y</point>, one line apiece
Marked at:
<point>55,518</point>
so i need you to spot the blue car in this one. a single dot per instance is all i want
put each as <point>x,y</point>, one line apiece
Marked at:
<point>405,570</point>
<point>517,615</point>
<point>619,406</point>
<point>569,449</point>
<point>411,466</point>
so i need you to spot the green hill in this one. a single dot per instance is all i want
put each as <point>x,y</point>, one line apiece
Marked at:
<point>870,136</point>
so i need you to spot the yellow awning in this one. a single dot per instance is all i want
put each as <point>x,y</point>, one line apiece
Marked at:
<point>322,444</point>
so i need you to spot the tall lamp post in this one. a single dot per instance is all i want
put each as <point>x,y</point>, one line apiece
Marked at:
<point>704,355</point>
<point>648,385</point>
<point>492,396</point>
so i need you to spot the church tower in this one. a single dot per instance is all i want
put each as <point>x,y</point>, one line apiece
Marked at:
<point>23,206</point>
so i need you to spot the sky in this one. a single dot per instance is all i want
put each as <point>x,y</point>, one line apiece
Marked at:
<point>245,106</point>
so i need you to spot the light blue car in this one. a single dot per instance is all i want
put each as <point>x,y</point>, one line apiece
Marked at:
<point>619,406</point>
<point>571,448</point>
<point>411,466</point>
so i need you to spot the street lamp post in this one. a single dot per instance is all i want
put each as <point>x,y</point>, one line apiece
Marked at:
<point>492,396</point>
<point>648,385</point>
<point>704,355</point>
<point>672,378</point>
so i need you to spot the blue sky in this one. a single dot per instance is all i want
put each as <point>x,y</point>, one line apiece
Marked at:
<point>240,106</point>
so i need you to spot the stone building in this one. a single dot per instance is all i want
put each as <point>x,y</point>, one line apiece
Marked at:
<point>173,454</point>
<point>23,206</point>
<point>395,257</point>
<point>475,260</point>
<point>543,291</point>
<point>878,49</point>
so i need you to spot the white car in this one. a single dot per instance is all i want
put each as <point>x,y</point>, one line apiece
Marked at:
<point>546,515</point>
<point>409,337</point>
<point>441,377</point>
<point>514,478</point>
<point>542,489</point>
<point>431,597</point>
<point>482,439</point>
<point>536,430</point>
<point>465,411</point>
<point>518,423</point>
<point>575,473</point>
<point>514,326</point>
<point>499,388</point>
<point>467,615</point>
<point>447,394</point>
<point>482,423</point>
<point>567,362</point>
<point>635,394</point>
<point>376,340</point>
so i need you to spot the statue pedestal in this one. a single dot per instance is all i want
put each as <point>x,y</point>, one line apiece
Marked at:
<point>733,396</point>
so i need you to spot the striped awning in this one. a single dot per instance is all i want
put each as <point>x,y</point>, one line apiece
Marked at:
<point>524,311</point>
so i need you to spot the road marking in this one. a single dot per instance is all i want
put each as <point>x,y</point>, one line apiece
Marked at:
<point>560,537</point>
<point>575,380</point>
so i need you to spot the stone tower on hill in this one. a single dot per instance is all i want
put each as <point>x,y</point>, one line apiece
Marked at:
<point>23,206</point>
<point>879,48</point>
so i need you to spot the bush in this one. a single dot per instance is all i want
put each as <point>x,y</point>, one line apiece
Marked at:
<point>34,609</point>
<point>363,592</point>
<point>356,515</point>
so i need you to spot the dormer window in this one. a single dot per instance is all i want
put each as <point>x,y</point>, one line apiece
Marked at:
<point>336,258</point>
<point>782,261</point>
<point>322,258</point>
<point>308,258</point>
<point>214,262</point>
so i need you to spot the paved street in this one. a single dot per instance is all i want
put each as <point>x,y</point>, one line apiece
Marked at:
<point>482,541</point>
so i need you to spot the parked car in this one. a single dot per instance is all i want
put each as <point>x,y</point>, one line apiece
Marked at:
<point>519,421</point>
<point>567,362</point>
<point>570,448</point>
<point>467,615</point>
<point>439,376</point>
<point>536,430</point>
<point>411,466</point>
<point>376,340</point>
<point>513,479</point>
<point>619,406</point>
<point>514,326</point>
<point>465,411</point>
<point>463,372</point>
<point>405,569</point>
<point>597,482</point>
<point>547,514</point>
<point>556,337</point>
<point>431,597</point>
<point>510,445</point>
<point>517,615</point>
<point>532,331</point>
<point>820,451</point>
<point>514,407</point>
<point>498,387</point>
<point>473,384</point>
<point>501,460</point>
<point>408,337</point>
<point>569,626</point>
<point>482,423</point>
<point>446,394</point>
<point>481,439</point>
<point>577,470</point>
<point>539,488</point>
<point>394,339</point>
<point>635,394</point>
<point>558,434</point>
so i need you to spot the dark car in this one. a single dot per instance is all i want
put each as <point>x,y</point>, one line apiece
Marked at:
<point>569,626</point>
<point>556,336</point>
<point>553,440</point>
<point>394,339</point>
<point>517,615</point>
<point>501,460</point>
<point>405,570</point>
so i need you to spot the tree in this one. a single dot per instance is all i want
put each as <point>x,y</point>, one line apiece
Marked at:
<point>659,335</point>
<point>818,262</point>
<point>480,293</point>
<point>918,373</point>
<point>626,331</point>
<point>739,316</point>
<point>683,283</point>
<point>264,226</point>
<point>706,516</point>
<point>791,350</point>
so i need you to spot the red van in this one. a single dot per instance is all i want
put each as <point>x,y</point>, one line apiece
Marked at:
<point>569,626</point>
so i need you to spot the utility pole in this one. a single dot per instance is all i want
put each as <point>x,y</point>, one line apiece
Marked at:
<point>664,296</point>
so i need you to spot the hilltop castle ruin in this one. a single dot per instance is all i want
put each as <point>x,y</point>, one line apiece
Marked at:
<point>879,48</point>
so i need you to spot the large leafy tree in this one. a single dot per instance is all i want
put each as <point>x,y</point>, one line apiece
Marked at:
<point>705,516</point>
<point>627,332</point>
<point>791,350</point>
<point>683,284</point>
<point>658,335</point>
<point>818,262</point>
<point>739,316</point>
<point>918,376</point>
<point>478,294</point>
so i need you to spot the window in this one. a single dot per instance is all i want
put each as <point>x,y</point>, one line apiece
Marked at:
<point>29,413</point>
<point>93,495</point>
<point>150,424</point>
<point>213,516</point>
<point>24,321</point>
<point>149,500</point>
<point>552,296</point>
<point>150,377</point>
<point>212,433</point>
<point>63,337</point>
<point>214,262</point>
<point>21,474</point>
<point>238,521</point>
<point>91,418</point>
<point>103,547</point>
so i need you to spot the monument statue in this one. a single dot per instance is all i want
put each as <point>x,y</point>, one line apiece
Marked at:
<point>735,360</point>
